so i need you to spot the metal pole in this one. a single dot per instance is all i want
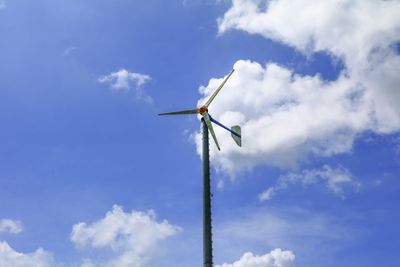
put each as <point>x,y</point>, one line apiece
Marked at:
<point>207,234</point>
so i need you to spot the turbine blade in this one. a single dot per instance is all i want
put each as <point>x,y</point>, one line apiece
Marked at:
<point>189,111</point>
<point>210,128</point>
<point>218,89</point>
<point>226,128</point>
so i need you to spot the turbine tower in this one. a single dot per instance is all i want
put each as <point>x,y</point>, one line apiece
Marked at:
<point>235,131</point>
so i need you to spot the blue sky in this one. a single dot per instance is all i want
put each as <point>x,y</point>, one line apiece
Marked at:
<point>315,184</point>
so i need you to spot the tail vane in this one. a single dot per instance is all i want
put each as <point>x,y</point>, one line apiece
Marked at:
<point>235,131</point>
<point>238,136</point>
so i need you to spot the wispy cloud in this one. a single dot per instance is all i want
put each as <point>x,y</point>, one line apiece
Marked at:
<point>291,228</point>
<point>334,179</point>
<point>88,263</point>
<point>134,237</point>
<point>3,4</point>
<point>10,226</point>
<point>125,80</point>
<point>396,145</point>
<point>69,50</point>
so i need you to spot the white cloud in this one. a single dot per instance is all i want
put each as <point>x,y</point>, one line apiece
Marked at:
<point>276,258</point>
<point>267,194</point>
<point>334,178</point>
<point>293,228</point>
<point>133,237</point>
<point>287,117</point>
<point>334,26</point>
<point>125,80</point>
<point>10,226</point>
<point>348,30</point>
<point>11,258</point>
<point>3,4</point>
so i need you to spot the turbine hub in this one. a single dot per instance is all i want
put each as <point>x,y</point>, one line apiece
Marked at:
<point>203,109</point>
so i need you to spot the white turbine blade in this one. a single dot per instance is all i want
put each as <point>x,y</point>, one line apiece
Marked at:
<point>189,111</point>
<point>218,89</point>
<point>210,128</point>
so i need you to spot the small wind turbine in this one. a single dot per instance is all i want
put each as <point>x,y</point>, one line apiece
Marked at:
<point>207,126</point>
<point>203,111</point>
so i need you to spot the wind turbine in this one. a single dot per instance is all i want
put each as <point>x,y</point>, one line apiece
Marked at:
<point>206,117</point>
<point>235,131</point>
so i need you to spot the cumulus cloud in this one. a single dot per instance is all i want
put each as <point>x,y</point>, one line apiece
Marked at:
<point>11,258</point>
<point>334,178</point>
<point>287,117</point>
<point>337,27</point>
<point>125,80</point>
<point>133,237</point>
<point>10,226</point>
<point>276,258</point>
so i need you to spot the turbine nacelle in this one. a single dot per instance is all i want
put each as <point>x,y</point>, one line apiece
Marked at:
<point>203,111</point>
